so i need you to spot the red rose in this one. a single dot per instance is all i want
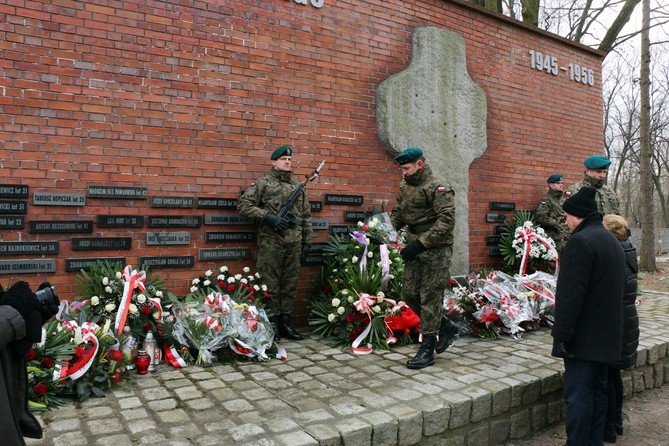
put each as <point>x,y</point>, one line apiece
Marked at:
<point>147,326</point>
<point>221,284</point>
<point>117,376</point>
<point>146,310</point>
<point>231,287</point>
<point>30,355</point>
<point>266,294</point>
<point>47,362</point>
<point>40,389</point>
<point>115,355</point>
<point>365,228</point>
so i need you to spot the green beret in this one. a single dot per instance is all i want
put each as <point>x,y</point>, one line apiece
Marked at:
<point>409,155</point>
<point>597,162</point>
<point>281,151</point>
<point>554,178</point>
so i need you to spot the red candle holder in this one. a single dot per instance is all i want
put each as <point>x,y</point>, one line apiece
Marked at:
<point>142,362</point>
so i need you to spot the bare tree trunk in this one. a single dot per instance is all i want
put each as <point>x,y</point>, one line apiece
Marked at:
<point>647,247</point>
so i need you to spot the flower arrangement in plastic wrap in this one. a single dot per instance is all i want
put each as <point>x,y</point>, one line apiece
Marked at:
<point>356,299</point>
<point>526,248</point>
<point>124,295</point>
<point>243,288</point>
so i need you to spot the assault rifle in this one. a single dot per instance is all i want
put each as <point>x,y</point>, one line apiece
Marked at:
<point>285,215</point>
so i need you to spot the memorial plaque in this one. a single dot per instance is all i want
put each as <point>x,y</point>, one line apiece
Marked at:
<point>15,266</point>
<point>121,193</point>
<point>494,251</point>
<point>314,259</point>
<point>51,199</point>
<point>227,219</point>
<point>495,218</point>
<point>501,229</point>
<point>168,262</point>
<point>168,238</point>
<point>316,206</point>
<point>339,230</point>
<point>224,254</point>
<point>72,265</point>
<point>187,221</point>
<point>172,202</point>
<point>492,240</point>
<point>317,248</point>
<point>95,243</point>
<point>32,248</point>
<point>13,191</point>
<point>19,207</point>
<point>12,221</point>
<point>120,221</point>
<point>60,226</point>
<point>216,203</point>
<point>318,224</point>
<point>350,200</point>
<point>502,206</point>
<point>357,215</point>
<point>211,237</point>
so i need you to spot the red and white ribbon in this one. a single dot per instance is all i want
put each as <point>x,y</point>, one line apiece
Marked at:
<point>527,234</point>
<point>79,368</point>
<point>173,358</point>
<point>213,323</point>
<point>133,279</point>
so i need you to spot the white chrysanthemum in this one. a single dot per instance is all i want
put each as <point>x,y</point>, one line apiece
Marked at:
<point>257,274</point>
<point>256,287</point>
<point>141,298</point>
<point>335,302</point>
<point>341,310</point>
<point>208,273</point>
<point>350,299</point>
<point>370,254</point>
<point>354,259</point>
<point>231,279</point>
<point>132,309</point>
<point>105,281</point>
<point>238,276</point>
<point>193,289</point>
<point>344,260</point>
<point>110,307</point>
<point>108,289</point>
<point>344,292</point>
<point>206,282</point>
<point>246,270</point>
<point>264,287</point>
<point>195,281</point>
<point>159,293</point>
<point>220,277</point>
<point>223,269</point>
<point>361,224</point>
<point>95,300</point>
<point>373,223</point>
<point>380,295</point>
<point>331,317</point>
<point>376,309</point>
<point>244,280</point>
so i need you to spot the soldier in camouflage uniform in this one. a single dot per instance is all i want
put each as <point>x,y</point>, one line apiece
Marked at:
<point>282,244</point>
<point>549,214</point>
<point>596,168</point>
<point>425,206</point>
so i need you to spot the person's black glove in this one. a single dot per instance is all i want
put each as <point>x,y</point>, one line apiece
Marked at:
<point>19,297</point>
<point>411,251</point>
<point>305,252</point>
<point>562,352</point>
<point>274,221</point>
<point>47,311</point>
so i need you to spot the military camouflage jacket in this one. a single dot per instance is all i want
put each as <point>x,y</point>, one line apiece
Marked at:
<point>607,201</point>
<point>267,195</point>
<point>425,204</point>
<point>550,216</point>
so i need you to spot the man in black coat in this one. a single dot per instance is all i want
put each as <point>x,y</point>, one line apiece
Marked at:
<point>587,332</point>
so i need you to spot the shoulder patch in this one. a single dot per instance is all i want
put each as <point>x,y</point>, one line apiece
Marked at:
<point>567,194</point>
<point>441,189</point>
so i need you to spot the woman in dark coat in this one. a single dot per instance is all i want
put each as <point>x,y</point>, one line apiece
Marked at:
<point>617,225</point>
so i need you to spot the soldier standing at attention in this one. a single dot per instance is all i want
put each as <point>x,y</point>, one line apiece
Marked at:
<point>425,206</point>
<point>281,242</point>
<point>596,168</point>
<point>549,214</point>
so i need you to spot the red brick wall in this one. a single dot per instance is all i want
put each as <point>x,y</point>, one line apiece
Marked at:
<point>188,98</point>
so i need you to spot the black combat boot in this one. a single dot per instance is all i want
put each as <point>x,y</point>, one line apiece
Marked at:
<point>286,328</point>
<point>447,334</point>
<point>274,320</point>
<point>425,355</point>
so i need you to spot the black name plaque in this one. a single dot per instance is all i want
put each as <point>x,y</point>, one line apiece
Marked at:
<point>20,248</point>
<point>86,243</point>
<point>352,200</point>
<point>318,224</point>
<point>12,221</point>
<point>216,203</point>
<point>120,221</point>
<point>60,226</point>
<point>502,206</point>
<point>122,193</point>
<point>491,240</point>
<point>27,266</point>
<point>224,254</point>
<point>13,191</point>
<point>19,207</point>
<point>316,206</point>
<point>168,262</point>
<point>168,238</point>
<point>494,251</point>
<point>339,229</point>
<point>356,215</point>
<point>72,265</point>
<point>189,221</point>
<point>172,202</point>
<point>51,199</point>
<point>226,219</point>
<point>231,236</point>
<point>495,218</point>
<point>501,229</point>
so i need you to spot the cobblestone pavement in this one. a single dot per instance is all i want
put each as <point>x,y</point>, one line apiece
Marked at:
<point>329,396</point>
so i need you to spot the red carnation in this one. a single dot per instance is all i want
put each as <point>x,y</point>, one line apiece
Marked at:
<point>266,294</point>
<point>327,289</point>
<point>147,326</point>
<point>146,310</point>
<point>252,297</point>
<point>115,355</point>
<point>47,362</point>
<point>221,284</point>
<point>40,389</point>
<point>231,287</point>
<point>79,352</point>
<point>30,355</point>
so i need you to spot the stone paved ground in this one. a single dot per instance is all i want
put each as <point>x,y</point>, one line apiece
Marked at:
<point>479,392</point>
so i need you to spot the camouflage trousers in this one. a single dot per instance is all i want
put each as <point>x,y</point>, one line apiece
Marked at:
<point>423,286</point>
<point>279,266</point>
